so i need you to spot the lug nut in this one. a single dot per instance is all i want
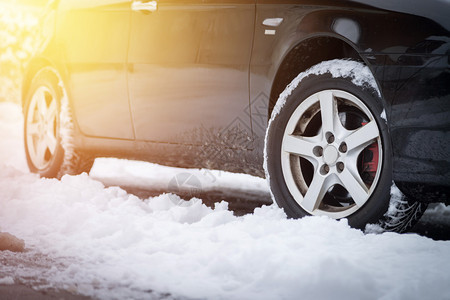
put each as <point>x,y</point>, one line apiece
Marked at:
<point>340,166</point>
<point>330,137</point>
<point>324,170</point>
<point>318,151</point>
<point>343,147</point>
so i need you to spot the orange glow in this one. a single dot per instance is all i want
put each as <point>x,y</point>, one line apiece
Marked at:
<point>19,24</point>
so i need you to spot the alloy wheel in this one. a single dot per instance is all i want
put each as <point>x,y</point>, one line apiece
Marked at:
<point>331,155</point>
<point>41,127</point>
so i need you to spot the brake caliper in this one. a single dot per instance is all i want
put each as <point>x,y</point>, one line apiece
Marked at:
<point>369,162</point>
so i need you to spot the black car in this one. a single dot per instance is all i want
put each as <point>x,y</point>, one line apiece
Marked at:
<point>333,101</point>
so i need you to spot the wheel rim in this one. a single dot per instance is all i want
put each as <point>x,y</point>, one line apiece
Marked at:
<point>41,127</point>
<point>322,154</point>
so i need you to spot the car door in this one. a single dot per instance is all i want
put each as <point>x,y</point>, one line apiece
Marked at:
<point>188,68</point>
<point>93,35</point>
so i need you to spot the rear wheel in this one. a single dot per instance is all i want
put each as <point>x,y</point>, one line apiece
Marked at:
<point>328,148</point>
<point>48,130</point>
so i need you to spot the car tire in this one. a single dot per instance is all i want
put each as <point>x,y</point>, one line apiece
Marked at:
<point>340,167</point>
<point>49,129</point>
<point>403,213</point>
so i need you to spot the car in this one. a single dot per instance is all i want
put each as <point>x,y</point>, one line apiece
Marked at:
<point>336,103</point>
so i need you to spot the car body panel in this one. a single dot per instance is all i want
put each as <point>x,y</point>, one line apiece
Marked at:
<point>404,65</point>
<point>188,70</point>
<point>193,84</point>
<point>93,36</point>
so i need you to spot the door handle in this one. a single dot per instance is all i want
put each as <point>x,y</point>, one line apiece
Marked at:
<point>149,6</point>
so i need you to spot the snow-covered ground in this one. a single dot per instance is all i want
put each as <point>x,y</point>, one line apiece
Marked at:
<point>99,241</point>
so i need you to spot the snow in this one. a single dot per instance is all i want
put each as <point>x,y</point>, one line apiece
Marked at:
<point>397,198</point>
<point>11,136</point>
<point>102,242</point>
<point>383,115</point>
<point>7,280</point>
<point>147,175</point>
<point>397,204</point>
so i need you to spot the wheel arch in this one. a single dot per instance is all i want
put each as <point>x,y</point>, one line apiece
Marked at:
<point>33,68</point>
<point>307,53</point>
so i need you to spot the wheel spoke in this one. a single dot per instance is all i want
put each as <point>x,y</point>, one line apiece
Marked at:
<point>40,151</point>
<point>315,193</point>
<point>328,111</point>
<point>51,112</point>
<point>298,145</point>
<point>32,147</point>
<point>354,185</point>
<point>42,104</point>
<point>41,119</point>
<point>50,141</point>
<point>363,136</point>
